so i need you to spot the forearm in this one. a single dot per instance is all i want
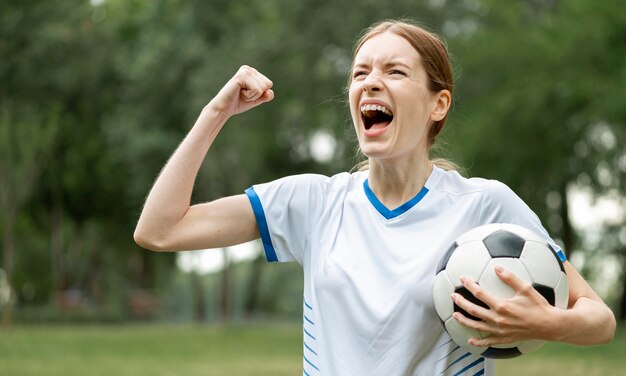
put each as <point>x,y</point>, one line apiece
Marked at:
<point>170,197</point>
<point>586,322</point>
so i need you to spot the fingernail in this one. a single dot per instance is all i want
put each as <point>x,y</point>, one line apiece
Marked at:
<point>462,279</point>
<point>499,269</point>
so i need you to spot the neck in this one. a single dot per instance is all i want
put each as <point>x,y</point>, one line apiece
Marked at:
<point>396,182</point>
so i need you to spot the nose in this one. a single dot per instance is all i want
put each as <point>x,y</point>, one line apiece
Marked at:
<point>372,82</point>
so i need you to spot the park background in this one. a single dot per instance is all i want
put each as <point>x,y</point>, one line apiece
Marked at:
<point>95,96</point>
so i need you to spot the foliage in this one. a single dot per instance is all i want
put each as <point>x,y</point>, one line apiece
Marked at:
<point>541,108</point>
<point>537,105</point>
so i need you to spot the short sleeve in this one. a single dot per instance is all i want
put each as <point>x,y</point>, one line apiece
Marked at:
<point>286,211</point>
<point>502,205</point>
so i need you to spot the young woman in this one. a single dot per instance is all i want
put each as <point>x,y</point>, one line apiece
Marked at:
<point>369,241</point>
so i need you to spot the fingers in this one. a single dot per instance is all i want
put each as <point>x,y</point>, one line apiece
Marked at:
<point>479,292</point>
<point>253,85</point>
<point>512,280</point>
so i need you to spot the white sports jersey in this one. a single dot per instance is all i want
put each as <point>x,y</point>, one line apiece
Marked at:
<point>368,307</point>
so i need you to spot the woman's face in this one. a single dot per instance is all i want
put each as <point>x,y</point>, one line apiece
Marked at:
<point>390,103</point>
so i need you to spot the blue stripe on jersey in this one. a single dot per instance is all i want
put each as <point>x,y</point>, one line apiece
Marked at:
<point>456,361</point>
<point>307,304</point>
<point>445,343</point>
<point>479,373</point>
<point>561,256</point>
<point>311,364</point>
<point>305,373</point>
<point>310,349</point>
<point>450,353</point>
<point>261,222</point>
<point>309,320</point>
<point>477,361</point>
<point>310,335</point>
<point>387,213</point>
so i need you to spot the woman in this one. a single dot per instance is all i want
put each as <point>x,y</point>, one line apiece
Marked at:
<point>369,241</point>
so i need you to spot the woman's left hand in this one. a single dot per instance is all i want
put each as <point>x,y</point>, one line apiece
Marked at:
<point>525,315</point>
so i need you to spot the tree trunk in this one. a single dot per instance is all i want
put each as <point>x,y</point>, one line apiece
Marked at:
<point>225,289</point>
<point>56,239</point>
<point>8,264</point>
<point>567,232</point>
<point>199,306</point>
<point>621,316</point>
<point>254,282</point>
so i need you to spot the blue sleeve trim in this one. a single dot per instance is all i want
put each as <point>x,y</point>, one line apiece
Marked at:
<point>561,256</point>
<point>261,222</point>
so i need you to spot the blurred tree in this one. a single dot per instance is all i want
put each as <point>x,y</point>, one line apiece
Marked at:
<point>57,61</point>
<point>26,142</point>
<point>541,102</point>
<point>538,101</point>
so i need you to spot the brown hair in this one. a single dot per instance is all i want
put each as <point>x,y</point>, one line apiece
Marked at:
<point>435,61</point>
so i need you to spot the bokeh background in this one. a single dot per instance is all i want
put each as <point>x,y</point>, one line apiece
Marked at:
<point>95,95</point>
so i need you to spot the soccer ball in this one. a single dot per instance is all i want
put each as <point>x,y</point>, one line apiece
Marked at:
<point>475,254</point>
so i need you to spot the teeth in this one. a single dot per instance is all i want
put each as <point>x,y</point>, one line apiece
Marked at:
<point>376,107</point>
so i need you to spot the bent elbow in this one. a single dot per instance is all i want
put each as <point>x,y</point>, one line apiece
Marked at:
<point>611,327</point>
<point>147,241</point>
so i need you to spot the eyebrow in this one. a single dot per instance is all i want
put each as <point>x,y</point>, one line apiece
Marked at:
<point>388,64</point>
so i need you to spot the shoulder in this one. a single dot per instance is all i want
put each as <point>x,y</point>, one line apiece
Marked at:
<point>453,183</point>
<point>295,182</point>
<point>309,184</point>
<point>499,194</point>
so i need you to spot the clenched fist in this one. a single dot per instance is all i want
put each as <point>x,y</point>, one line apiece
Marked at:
<point>246,89</point>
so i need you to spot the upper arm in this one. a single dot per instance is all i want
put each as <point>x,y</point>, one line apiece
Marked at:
<point>220,223</point>
<point>578,287</point>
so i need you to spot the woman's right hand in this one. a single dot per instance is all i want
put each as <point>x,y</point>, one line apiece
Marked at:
<point>246,89</point>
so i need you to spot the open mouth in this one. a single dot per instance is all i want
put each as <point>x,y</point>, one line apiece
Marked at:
<point>375,116</point>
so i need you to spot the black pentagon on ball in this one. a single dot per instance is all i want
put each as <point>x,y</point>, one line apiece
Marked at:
<point>503,243</point>
<point>468,295</point>
<point>546,292</point>
<point>496,353</point>
<point>446,257</point>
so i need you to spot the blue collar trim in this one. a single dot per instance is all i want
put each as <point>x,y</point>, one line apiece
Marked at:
<point>383,210</point>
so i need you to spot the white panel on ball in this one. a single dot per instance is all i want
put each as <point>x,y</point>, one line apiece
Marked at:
<point>461,334</point>
<point>442,289</point>
<point>530,345</point>
<point>507,345</point>
<point>561,292</point>
<point>468,260</point>
<point>541,263</point>
<point>478,233</point>
<point>492,283</point>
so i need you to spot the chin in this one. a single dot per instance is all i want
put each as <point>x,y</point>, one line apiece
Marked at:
<point>374,151</point>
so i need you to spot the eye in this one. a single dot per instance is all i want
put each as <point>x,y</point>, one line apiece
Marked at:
<point>397,71</point>
<point>359,73</point>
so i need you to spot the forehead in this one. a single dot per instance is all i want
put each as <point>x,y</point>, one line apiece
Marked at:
<point>386,47</point>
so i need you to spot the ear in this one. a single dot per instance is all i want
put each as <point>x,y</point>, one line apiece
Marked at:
<point>442,102</point>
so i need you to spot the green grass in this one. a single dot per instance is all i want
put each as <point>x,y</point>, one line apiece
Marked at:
<point>151,350</point>
<point>239,350</point>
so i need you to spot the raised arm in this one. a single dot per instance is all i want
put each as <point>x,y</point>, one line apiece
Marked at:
<point>167,221</point>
